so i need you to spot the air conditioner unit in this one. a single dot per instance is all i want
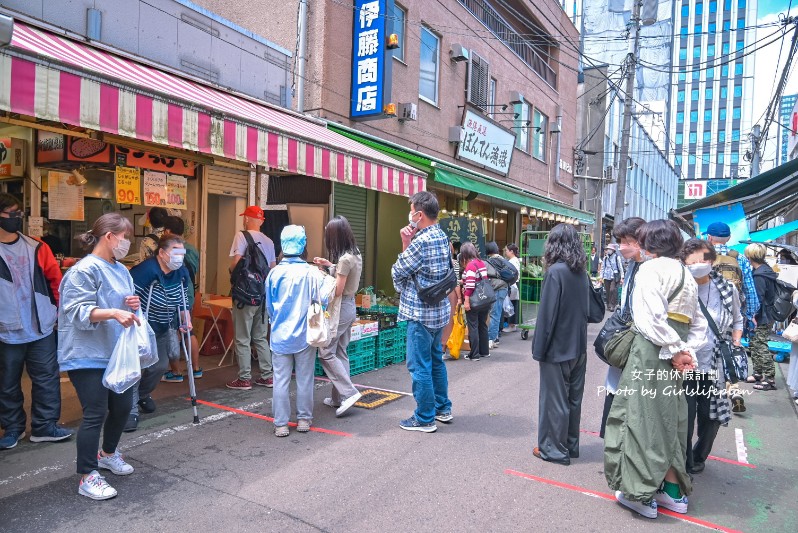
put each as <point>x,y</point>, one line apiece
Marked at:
<point>407,111</point>
<point>610,173</point>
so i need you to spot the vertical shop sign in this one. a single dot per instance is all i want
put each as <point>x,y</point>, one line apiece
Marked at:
<point>371,65</point>
<point>66,196</point>
<point>128,186</point>
<point>154,189</point>
<point>176,191</point>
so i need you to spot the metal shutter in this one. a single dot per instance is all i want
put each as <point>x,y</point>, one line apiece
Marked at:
<point>478,81</point>
<point>352,202</point>
<point>227,181</point>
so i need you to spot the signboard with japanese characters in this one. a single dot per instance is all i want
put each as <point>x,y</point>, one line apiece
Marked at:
<point>154,189</point>
<point>128,185</point>
<point>465,229</point>
<point>370,65</point>
<point>176,191</point>
<point>485,143</point>
<point>695,190</point>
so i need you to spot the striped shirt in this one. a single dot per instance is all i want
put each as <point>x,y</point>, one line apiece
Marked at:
<point>167,297</point>
<point>474,270</point>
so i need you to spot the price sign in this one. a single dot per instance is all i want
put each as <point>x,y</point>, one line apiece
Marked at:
<point>128,186</point>
<point>176,191</point>
<point>154,189</point>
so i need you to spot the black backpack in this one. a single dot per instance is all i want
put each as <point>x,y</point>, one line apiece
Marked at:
<point>248,279</point>
<point>505,270</point>
<point>782,307</point>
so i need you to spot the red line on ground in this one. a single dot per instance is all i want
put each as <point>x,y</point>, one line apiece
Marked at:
<point>714,458</point>
<point>270,419</point>
<point>611,497</point>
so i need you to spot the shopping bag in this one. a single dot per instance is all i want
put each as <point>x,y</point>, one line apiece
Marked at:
<point>147,345</point>
<point>124,368</point>
<point>509,310</point>
<point>317,332</point>
<point>457,336</point>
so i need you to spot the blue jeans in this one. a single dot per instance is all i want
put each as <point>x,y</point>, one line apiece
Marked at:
<point>497,315</point>
<point>426,367</point>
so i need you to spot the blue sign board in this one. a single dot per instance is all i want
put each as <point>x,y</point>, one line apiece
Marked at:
<point>369,58</point>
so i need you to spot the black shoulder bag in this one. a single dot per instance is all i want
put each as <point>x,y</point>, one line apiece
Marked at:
<point>437,292</point>
<point>735,362</point>
<point>595,303</point>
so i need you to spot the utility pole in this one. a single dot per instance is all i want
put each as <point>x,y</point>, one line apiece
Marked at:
<point>302,59</point>
<point>626,134</point>
<point>756,134</point>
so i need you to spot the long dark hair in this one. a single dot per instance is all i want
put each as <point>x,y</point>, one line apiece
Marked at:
<point>339,239</point>
<point>565,245</point>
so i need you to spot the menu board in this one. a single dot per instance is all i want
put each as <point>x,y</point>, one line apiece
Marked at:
<point>128,186</point>
<point>65,196</point>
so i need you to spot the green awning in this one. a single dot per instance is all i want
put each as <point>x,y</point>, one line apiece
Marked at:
<point>446,173</point>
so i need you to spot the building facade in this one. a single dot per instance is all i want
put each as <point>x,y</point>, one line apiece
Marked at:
<point>652,183</point>
<point>786,127</point>
<point>712,89</point>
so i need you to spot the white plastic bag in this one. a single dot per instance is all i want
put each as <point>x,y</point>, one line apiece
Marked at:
<point>124,368</point>
<point>509,310</point>
<point>147,346</point>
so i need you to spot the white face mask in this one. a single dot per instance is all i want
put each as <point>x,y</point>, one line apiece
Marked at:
<point>176,258</point>
<point>700,270</point>
<point>413,223</point>
<point>121,249</point>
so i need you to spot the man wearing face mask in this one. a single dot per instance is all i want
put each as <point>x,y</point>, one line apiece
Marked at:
<point>29,280</point>
<point>612,274</point>
<point>162,284</point>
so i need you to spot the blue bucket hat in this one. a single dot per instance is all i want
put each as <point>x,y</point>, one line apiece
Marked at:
<point>293,240</point>
<point>718,229</point>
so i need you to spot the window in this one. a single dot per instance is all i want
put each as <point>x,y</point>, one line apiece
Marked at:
<point>738,69</point>
<point>683,31</point>
<point>428,67</point>
<point>693,116</point>
<point>478,81</point>
<point>693,137</point>
<point>722,136</point>
<point>696,74</point>
<point>683,53</point>
<point>708,94</point>
<point>726,25</point>
<point>710,73</point>
<point>696,51</point>
<point>724,70</point>
<point>735,135</point>
<point>679,138</point>
<point>694,94</point>
<point>682,76</point>
<point>698,29</point>
<point>727,5</point>
<point>738,91</point>
<point>541,123</point>
<point>711,50</point>
<point>519,126</point>
<point>721,157</point>
<point>680,96</point>
<point>740,24</point>
<point>736,114</point>
<point>740,45</point>
<point>680,117</point>
<point>699,8</point>
<point>691,159</point>
<point>707,115</point>
<point>492,96</point>
<point>677,160</point>
<point>722,113</point>
<point>713,28</point>
<point>724,92</point>
<point>713,6</point>
<point>397,19</point>
<point>735,158</point>
<point>685,10</point>
<point>741,4</point>
<point>725,49</point>
<point>707,136</point>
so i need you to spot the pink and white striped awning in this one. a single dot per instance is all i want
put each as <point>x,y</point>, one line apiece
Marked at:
<point>104,92</point>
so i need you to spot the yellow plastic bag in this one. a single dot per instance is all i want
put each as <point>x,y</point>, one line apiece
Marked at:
<point>455,341</point>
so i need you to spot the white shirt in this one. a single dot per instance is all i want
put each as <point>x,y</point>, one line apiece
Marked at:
<point>266,245</point>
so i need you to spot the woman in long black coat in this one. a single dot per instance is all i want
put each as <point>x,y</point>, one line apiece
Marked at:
<point>560,346</point>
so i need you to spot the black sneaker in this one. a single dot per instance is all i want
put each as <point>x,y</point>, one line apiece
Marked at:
<point>147,405</point>
<point>412,424</point>
<point>54,434</point>
<point>132,423</point>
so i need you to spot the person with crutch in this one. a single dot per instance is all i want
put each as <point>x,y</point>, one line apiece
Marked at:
<point>161,283</point>
<point>184,332</point>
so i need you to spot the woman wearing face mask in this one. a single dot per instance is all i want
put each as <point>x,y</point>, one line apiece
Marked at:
<point>97,297</point>
<point>720,303</point>
<point>162,284</point>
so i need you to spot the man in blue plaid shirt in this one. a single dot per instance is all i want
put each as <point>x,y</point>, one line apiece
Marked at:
<point>425,260</point>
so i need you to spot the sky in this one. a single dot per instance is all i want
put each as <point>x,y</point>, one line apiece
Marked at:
<point>766,70</point>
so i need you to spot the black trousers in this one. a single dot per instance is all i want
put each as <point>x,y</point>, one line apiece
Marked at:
<point>607,406</point>
<point>514,319</point>
<point>102,409</point>
<point>611,290</point>
<point>562,386</point>
<point>698,399</point>
<point>40,359</point>
<point>478,332</point>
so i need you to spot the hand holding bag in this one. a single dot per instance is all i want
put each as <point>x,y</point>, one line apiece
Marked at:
<point>317,331</point>
<point>124,369</point>
<point>455,342</point>
<point>595,303</point>
<point>735,362</point>
<point>483,296</point>
<point>147,345</point>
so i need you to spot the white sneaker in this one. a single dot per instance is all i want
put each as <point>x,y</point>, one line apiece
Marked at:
<point>347,403</point>
<point>115,464</point>
<point>491,345</point>
<point>329,403</point>
<point>648,510</point>
<point>94,486</point>
<point>666,500</point>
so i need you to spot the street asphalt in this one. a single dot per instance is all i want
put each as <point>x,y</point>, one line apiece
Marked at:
<point>366,474</point>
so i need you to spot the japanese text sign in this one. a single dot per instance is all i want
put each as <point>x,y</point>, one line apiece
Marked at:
<point>128,186</point>
<point>485,143</point>
<point>176,191</point>
<point>465,229</point>
<point>368,58</point>
<point>153,161</point>
<point>154,189</point>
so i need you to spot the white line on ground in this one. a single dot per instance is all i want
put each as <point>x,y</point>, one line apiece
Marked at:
<point>742,454</point>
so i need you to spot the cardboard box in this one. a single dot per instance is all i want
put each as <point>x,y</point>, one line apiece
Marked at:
<point>369,328</point>
<point>356,332</point>
<point>364,301</point>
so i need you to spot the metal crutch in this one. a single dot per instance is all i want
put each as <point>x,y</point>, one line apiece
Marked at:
<point>185,340</point>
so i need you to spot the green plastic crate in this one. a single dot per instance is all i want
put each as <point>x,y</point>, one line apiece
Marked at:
<point>362,355</point>
<point>392,345</point>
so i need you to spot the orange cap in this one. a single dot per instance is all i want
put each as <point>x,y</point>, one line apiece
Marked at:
<point>253,211</point>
